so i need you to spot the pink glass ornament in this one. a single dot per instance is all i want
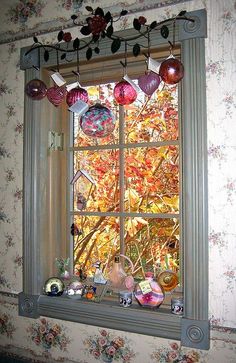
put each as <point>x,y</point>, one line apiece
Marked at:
<point>36,89</point>
<point>149,82</point>
<point>124,93</point>
<point>149,293</point>
<point>98,121</point>
<point>56,95</point>
<point>171,70</point>
<point>76,94</point>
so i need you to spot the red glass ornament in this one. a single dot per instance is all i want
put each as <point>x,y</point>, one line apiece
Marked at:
<point>149,83</point>
<point>36,89</point>
<point>171,71</point>
<point>56,95</point>
<point>76,94</point>
<point>124,93</point>
<point>98,121</point>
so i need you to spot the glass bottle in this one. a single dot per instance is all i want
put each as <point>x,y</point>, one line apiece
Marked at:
<point>117,275</point>
<point>148,292</point>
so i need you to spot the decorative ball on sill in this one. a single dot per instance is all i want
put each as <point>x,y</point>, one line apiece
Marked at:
<point>149,83</point>
<point>168,280</point>
<point>54,286</point>
<point>171,70</point>
<point>75,290</point>
<point>98,121</point>
<point>124,93</point>
<point>56,95</point>
<point>76,94</point>
<point>36,89</point>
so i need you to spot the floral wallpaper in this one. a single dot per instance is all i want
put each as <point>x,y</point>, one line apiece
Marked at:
<point>50,340</point>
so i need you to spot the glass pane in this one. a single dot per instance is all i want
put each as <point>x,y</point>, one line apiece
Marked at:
<point>98,240</point>
<point>152,179</point>
<point>153,119</point>
<point>104,94</point>
<point>152,244</point>
<point>97,188</point>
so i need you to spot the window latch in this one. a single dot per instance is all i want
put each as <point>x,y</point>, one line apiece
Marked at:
<point>55,140</point>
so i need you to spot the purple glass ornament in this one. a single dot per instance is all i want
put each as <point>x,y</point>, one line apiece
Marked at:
<point>56,95</point>
<point>171,70</point>
<point>124,93</point>
<point>36,89</point>
<point>149,83</point>
<point>98,121</point>
<point>76,94</point>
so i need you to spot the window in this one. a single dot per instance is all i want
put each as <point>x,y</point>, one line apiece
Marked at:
<point>139,164</point>
<point>193,328</point>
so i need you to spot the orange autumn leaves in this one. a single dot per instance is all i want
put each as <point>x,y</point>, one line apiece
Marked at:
<point>151,185</point>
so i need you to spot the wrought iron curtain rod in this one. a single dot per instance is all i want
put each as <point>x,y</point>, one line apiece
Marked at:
<point>100,25</point>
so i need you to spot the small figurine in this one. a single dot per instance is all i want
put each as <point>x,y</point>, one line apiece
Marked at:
<point>98,275</point>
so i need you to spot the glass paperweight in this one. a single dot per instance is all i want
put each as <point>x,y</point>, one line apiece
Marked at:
<point>168,280</point>
<point>148,292</point>
<point>54,286</point>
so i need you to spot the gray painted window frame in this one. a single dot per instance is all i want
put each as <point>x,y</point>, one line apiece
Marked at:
<point>193,328</point>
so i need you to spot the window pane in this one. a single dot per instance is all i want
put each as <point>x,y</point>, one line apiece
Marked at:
<point>100,189</point>
<point>104,94</point>
<point>152,179</point>
<point>152,243</point>
<point>99,241</point>
<point>154,119</point>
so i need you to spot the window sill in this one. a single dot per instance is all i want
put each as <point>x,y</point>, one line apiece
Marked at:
<point>107,314</point>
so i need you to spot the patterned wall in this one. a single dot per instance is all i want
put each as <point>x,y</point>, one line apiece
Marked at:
<point>48,339</point>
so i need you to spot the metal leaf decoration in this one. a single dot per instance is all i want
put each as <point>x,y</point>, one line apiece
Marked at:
<point>99,12</point>
<point>136,49</point>
<point>108,16</point>
<point>123,12</point>
<point>89,8</point>
<point>115,45</point>
<point>136,24</point>
<point>85,30</point>
<point>35,39</point>
<point>89,53</point>
<point>153,25</point>
<point>76,43</point>
<point>74,17</point>
<point>182,13</point>
<point>164,31</point>
<point>97,50</point>
<point>60,36</point>
<point>110,31</point>
<point>46,55</point>
<point>63,56</point>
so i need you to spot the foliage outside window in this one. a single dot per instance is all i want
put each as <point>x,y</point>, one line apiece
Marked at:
<point>149,150</point>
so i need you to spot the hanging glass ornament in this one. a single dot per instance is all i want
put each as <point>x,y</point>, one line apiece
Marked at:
<point>124,93</point>
<point>98,121</point>
<point>56,95</point>
<point>36,89</point>
<point>171,70</point>
<point>149,82</point>
<point>76,94</point>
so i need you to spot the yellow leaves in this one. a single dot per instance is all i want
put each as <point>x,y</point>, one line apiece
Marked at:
<point>133,225</point>
<point>132,197</point>
<point>172,202</point>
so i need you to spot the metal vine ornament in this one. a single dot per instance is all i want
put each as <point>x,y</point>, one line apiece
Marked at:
<point>100,25</point>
